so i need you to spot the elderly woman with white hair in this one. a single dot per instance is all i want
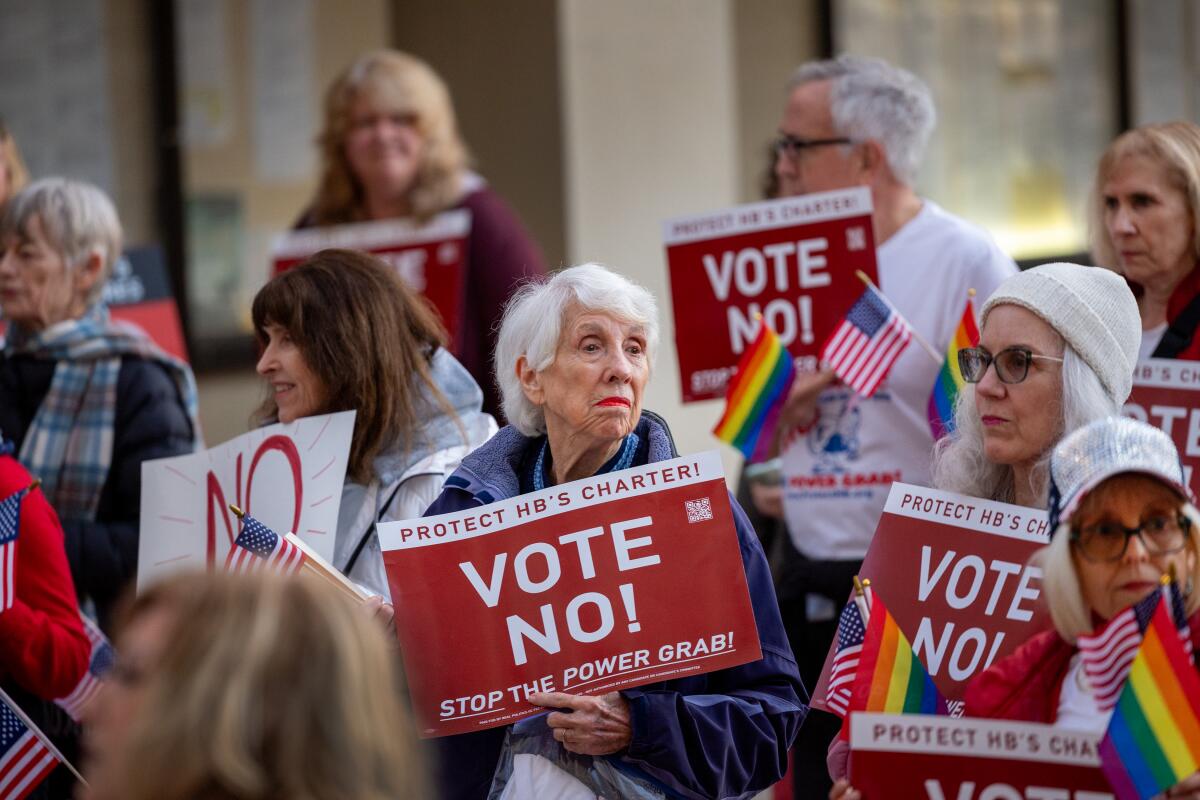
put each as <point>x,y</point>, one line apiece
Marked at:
<point>1057,348</point>
<point>85,401</point>
<point>573,360</point>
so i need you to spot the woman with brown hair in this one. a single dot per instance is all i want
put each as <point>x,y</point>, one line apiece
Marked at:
<point>342,332</point>
<point>263,687</point>
<point>390,148</point>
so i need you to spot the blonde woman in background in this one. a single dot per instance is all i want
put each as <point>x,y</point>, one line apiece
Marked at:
<point>390,149</point>
<point>1144,216</point>
<point>235,687</point>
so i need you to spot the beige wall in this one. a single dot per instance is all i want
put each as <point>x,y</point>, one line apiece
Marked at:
<point>650,122</point>
<point>772,37</point>
<point>667,105</point>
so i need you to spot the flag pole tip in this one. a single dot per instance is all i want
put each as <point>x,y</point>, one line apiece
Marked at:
<point>971,292</point>
<point>858,586</point>
<point>36,483</point>
<point>237,511</point>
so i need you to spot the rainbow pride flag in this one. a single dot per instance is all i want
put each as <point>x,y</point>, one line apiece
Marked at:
<point>950,381</point>
<point>890,678</point>
<point>1153,737</point>
<point>756,393</point>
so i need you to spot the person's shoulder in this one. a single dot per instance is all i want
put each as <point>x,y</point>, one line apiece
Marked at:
<point>1032,669</point>
<point>13,476</point>
<point>146,376</point>
<point>959,237</point>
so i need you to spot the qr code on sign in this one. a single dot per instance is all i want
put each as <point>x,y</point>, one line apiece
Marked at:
<point>698,510</point>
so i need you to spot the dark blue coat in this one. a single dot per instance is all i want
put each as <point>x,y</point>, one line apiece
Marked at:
<point>722,734</point>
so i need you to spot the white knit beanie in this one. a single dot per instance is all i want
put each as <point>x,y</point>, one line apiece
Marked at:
<point>1091,307</point>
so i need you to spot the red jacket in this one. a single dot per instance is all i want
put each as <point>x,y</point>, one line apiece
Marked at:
<point>1187,290</point>
<point>1025,685</point>
<point>43,647</point>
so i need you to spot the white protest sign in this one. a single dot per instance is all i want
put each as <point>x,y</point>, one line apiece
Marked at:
<point>289,477</point>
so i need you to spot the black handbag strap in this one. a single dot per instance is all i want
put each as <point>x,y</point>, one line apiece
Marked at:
<point>1178,335</point>
<point>370,529</point>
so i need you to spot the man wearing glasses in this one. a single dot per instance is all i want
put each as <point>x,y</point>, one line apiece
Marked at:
<point>861,122</point>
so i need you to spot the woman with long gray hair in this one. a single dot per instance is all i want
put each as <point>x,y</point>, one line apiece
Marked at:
<point>1057,348</point>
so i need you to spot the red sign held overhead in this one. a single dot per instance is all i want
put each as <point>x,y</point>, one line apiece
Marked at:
<point>575,588</point>
<point>1166,394</point>
<point>792,261</point>
<point>938,758</point>
<point>956,574</point>
<point>431,258</point>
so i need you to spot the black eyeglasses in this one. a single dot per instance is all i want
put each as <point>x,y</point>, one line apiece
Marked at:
<point>1160,534</point>
<point>794,146</point>
<point>1012,363</point>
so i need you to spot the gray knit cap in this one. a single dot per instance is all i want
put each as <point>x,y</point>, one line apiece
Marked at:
<point>1091,307</point>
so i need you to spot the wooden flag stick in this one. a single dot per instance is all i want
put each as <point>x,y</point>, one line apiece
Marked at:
<point>317,566</point>
<point>937,359</point>
<point>321,568</point>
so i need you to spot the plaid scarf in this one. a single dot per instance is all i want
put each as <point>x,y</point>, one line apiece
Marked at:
<point>70,441</point>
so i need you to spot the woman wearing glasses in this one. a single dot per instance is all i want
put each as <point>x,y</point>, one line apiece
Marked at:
<point>1121,517</point>
<point>1057,348</point>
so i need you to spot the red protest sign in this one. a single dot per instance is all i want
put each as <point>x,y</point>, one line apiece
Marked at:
<point>792,260</point>
<point>954,573</point>
<point>431,258</point>
<point>576,588</point>
<point>939,758</point>
<point>1166,394</point>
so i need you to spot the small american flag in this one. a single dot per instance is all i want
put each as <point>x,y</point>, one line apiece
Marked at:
<point>257,546</point>
<point>99,664</point>
<point>867,343</point>
<point>25,758</point>
<point>10,526</point>
<point>850,634</point>
<point>1107,655</point>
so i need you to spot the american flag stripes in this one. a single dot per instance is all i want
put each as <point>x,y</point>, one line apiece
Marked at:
<point>850,634</point>
<point>1108,654</point>
<point>10,526</point>
<point>867,343</point>
<point>99,663</point>
<point>258,547</point>
<point>25,758</point>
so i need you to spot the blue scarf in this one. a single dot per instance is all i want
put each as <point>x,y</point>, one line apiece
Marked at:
<point>70,441</point>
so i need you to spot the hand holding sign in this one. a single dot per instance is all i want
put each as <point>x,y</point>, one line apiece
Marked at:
<point>593,726</point>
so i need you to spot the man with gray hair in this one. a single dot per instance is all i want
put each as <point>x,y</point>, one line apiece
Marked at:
<point>851,122</point>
